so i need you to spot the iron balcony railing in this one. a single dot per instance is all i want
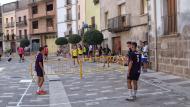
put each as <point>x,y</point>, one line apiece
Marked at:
<point>68,2</point>
<point>69,17</point>
<point>8,25</point>
<point>170,24</point>
<point>21,23</point>
<point>119,23</point>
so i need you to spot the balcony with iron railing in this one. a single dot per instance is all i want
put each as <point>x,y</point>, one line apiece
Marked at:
<point>68,2</point>
<point>169,24</point>
<point>21,23</point>
<point>69,17</point>
<point>119,23</point>
<point>19,38</point>
<point>9,37</point>
<point>9,25</point>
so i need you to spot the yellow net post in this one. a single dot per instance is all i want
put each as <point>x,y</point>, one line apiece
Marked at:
<point>81,71</point>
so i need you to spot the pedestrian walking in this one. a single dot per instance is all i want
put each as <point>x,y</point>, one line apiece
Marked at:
<point>80,51</point>
<point>21,54</point>
<point>106,53</point>
<point>74,54</point>
<point>145,56</point>
<point>9,57</point>
<point>85,51</point>
<point>46,52</point>
<point>39,68</point>
<point>133,72</point>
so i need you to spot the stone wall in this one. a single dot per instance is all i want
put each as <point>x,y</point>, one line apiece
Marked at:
<point>173,55</point>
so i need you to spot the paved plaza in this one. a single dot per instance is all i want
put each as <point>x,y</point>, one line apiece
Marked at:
<point>97,89</point>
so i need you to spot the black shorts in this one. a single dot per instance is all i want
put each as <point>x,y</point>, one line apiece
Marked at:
<point>46,54</point>
<point>39,73</point>
<point>133,76</point>
<point>74,57</point>
<point>20,55</point>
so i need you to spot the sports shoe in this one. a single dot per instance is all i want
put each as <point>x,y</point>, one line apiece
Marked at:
<point>40,92</point>
<point>130,98</point>
<point>134,97</point>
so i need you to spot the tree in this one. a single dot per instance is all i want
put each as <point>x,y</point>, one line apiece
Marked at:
<point>93,37</point>
<point>61,41</point>
<point>74,39</point>
<point>24,43</point>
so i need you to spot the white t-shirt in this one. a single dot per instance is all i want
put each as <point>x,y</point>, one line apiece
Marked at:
<point>145,51</point>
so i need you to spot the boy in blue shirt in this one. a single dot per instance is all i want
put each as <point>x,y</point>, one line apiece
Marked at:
<point>133,73</point>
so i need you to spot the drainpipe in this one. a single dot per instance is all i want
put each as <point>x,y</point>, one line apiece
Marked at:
<point>156,38</point>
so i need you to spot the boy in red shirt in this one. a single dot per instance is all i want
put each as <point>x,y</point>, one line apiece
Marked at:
<point>21,53</point>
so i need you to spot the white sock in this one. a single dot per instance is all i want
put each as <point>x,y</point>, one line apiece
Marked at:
<point>130,92</point>
<point>38,89</point>
<point>135,93</point>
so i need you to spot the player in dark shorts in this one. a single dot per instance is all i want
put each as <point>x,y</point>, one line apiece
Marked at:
<point>133,73</point>
<point>39,68</point>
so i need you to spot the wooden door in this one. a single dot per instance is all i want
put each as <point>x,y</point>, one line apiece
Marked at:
<point>172,16</point>
<point>117,45</point>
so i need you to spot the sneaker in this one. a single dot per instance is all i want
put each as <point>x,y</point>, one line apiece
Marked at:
<point>130,98</point>
<point>134,97</point>
<point>42,91</point>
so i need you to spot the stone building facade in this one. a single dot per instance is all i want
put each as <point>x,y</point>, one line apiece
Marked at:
<point>122,21</point>
<point>22,21</point>
<point>9,25</point>
<point>67,19</point>
<point>42,24</point>
<point>169,40</point>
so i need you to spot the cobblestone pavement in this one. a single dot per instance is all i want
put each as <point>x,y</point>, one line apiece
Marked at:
<point>16,86</point>
<point>98,88</point>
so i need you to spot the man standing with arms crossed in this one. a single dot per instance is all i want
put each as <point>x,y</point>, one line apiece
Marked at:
<point>39,67</point>
<point>133,73</point>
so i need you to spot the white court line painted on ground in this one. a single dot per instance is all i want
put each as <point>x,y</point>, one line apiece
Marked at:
<point>25,81</point>
<point>18,104</point>
<point>97,99</point>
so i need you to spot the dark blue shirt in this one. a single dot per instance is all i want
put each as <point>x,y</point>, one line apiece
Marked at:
<point>135,57</point>
<point>39,58</point>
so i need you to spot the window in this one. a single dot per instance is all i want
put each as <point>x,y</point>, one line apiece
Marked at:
<point>35,10</point>
<point>12,31</point>
<point>7,32</point>
<point>106,19</point>
<point>93,22</point>
<point>144,7</point>
<point>49,22</point>
<point>25,32</point>
<point>7,20</point>
<point>11,19</point>
<point>78,12</point>
<point>121,9</point>
<point>24,18</point>
<point>170,17</point>
<point>35,24</point>
<point>19,19</point>
<point>20,33</point>
<point>49,7</point>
